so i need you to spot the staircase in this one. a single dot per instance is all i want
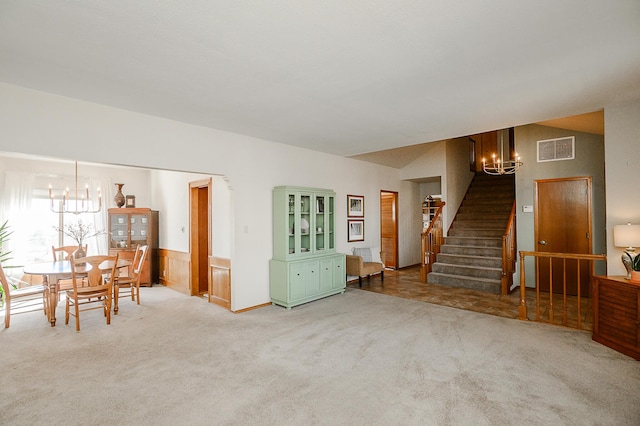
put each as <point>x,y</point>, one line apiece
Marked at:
<point>471,256</point>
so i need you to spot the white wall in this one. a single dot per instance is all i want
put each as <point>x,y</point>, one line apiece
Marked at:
<point>458,177</point>
<point>622,147</point>
<point>431,164</point>
<point>170,197</point>
<point>449,161</point>
<point>430,188</point>
<point>39,123</point>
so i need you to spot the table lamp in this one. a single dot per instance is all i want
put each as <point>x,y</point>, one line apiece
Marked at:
<point>627,236</point>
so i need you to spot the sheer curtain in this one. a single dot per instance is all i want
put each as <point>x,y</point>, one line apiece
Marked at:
<point>26,206</point>
<point>16,200</point>
<point>101,242</point>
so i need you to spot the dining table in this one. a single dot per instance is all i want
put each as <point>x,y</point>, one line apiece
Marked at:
<point>61,269</point>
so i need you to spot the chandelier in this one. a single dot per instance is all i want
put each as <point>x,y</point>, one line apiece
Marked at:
<point>80,202</point>
<point>499,167</point>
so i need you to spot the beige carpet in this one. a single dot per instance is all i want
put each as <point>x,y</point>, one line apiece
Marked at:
<point>358,359</point>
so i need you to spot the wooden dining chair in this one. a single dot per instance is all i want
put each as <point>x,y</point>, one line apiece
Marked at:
<point>23,299</point>
<point>97,291</point>
<point>64,253</point>
<point>130,283</point>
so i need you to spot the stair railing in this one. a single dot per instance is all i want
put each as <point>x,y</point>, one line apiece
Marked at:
<point>522,309</point>
<point>432,239</point>
<point>509,252</point>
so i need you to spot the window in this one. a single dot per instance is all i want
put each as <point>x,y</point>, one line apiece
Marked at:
<point>38,226</point>
<point>27,208</point>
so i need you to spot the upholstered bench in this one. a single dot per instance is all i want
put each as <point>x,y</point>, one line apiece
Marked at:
<point>362,264</point>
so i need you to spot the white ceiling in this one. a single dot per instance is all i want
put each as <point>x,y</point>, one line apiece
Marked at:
<point>345,77</point>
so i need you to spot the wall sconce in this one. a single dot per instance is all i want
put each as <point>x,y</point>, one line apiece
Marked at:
<point>627,236</point>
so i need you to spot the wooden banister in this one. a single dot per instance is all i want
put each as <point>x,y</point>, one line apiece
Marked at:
<point>509,252</point>
<point>432,239</point>
<point>522,309</point>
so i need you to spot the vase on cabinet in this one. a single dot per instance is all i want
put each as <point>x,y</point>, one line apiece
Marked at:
<point>119,198</point>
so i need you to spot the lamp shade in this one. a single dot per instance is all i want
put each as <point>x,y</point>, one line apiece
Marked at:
<point>626,235</point>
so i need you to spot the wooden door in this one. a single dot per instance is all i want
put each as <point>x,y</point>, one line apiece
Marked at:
<point>200,247</point>
<point>484,145</point>
<point>563,225</point>
<point>389,228</point>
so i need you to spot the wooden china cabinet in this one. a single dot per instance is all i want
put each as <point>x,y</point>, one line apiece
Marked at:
<point>129,227</point>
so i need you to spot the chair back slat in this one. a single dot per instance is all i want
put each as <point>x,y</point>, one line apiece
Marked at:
<point>64,252</point>
<point>90,266</point>
<point>5,285</point>
<point>138,261</point>
<point>22,299</point>
<point>95,289</point>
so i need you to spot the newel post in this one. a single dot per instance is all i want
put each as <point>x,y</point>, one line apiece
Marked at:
<point>522,309</point>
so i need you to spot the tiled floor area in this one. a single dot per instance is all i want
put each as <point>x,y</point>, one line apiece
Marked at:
<point>406,283</point>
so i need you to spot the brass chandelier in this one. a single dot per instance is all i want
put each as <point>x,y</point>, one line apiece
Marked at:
<point>497,166</point>
<point>80,202</point>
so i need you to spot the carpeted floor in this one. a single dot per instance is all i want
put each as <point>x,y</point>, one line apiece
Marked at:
<point>359,358</point>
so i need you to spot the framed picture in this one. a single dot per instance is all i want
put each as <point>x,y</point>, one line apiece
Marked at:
<point>130,201</point>
<point>355,206</point>
<point>355,230</point>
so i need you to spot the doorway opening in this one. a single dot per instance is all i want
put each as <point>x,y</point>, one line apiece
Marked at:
<point>200,235</point>
<point>389,228</point>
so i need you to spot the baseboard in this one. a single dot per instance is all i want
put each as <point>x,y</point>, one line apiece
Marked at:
<point>409,266</point>
<point>250,308</point>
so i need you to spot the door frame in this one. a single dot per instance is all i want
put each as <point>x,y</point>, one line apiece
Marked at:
<point>395,221</point>
<point>589,207</point>
<point>195,223</point>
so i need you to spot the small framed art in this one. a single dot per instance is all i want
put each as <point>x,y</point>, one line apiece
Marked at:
<point>130,201</point>
<point>355,230</point>
<point>355,206</point>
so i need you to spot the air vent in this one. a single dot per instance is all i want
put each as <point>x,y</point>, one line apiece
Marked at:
<point>556,149</point>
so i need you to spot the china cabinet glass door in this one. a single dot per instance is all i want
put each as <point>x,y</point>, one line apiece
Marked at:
<point>330,223</point>
<point>139,229</point>
<point>291,224</point>
<point>305,223</point>
<point>320,228</point>
<point>119,231</point>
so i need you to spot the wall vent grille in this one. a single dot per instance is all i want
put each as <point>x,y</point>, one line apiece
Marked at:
<point>556,149</point>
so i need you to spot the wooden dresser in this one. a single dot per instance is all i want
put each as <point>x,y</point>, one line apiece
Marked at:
<point>616,314</point>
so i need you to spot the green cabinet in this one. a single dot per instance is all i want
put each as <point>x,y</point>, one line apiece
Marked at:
<point>305,265</point>
<point>295,282</point>
<point>303,222</point>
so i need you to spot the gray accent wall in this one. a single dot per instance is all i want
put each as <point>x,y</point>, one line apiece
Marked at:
<point>589,161</point>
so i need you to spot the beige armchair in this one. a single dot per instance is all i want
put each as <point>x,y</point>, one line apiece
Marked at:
<point>362,264</point>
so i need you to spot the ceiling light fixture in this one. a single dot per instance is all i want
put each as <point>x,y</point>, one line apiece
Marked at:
<point>80,202</point>
<point>499,167</point>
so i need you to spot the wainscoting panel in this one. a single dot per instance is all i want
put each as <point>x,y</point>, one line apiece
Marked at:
<point>175,270</point>
<point>220,279</point>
